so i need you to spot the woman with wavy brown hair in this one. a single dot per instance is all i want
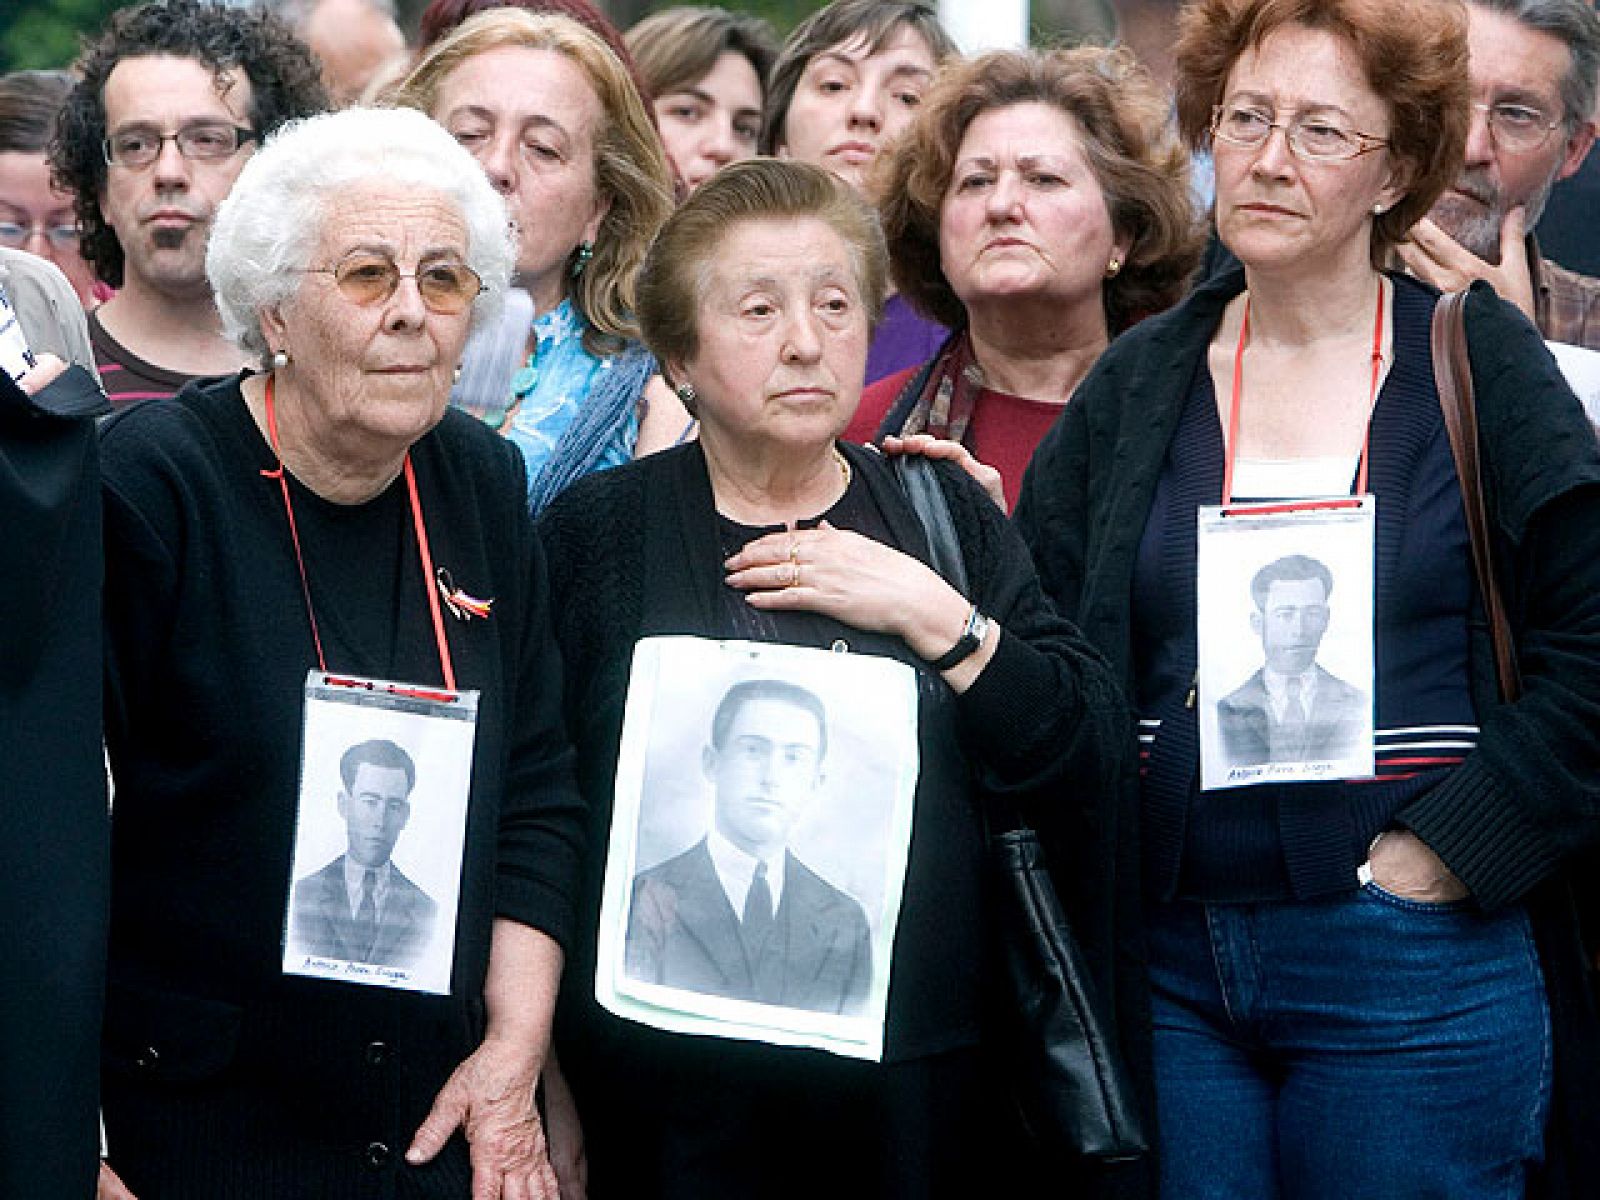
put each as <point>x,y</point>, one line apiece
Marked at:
<point>1037,206</point>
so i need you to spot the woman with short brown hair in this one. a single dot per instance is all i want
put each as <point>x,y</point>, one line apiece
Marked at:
<point>1360,959</point>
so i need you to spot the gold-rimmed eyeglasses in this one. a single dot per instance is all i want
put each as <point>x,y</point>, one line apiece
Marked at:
<point>1312,138</point>
<point>364,278</point>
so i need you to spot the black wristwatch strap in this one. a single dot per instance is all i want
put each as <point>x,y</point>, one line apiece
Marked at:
<point>967,644</point>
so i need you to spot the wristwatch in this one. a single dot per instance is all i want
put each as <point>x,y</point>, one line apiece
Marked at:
<point>967,644</point>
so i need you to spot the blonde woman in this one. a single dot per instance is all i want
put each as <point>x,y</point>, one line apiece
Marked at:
<point>553,117</point>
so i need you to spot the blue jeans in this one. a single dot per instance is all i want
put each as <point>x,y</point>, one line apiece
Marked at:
<point>1364,1046</point>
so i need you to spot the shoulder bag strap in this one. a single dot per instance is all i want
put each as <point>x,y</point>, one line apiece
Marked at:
<point>1452,371</point>
<point>921,486</point>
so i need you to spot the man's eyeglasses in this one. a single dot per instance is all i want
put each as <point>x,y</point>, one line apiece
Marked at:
<point>15,236</point>
<point>205,141</point>
<point>1314,139</point>
<point>365,279</point>
<point>1517,128</point>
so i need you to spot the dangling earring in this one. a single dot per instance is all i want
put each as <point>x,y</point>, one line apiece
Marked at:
<point>1113,267</point>
<point>585,253</point>
<point>455,376</point>
<point>280,359</point>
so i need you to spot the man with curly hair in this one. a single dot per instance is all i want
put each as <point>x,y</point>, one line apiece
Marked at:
<point>172,98</point>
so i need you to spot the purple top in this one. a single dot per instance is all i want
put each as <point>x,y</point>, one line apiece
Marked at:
<point>904,339</point>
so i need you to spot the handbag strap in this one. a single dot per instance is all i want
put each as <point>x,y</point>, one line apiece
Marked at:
<point>1452,370</point>
<point>921,486</point>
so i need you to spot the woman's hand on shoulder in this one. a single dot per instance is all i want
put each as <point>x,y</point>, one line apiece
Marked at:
<point>855,580</point>
<point>929,446</point>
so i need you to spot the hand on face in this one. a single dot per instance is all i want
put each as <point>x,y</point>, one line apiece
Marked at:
<point>1431,254</point>
<point>1518,143</point>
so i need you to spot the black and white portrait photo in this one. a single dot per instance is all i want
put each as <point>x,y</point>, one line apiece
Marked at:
<point>361,907</point>
<point>759,842</point>
<point>738,914</point>
<point>1292,709</point>
<point>375,881</point>
<point>1285,640</point>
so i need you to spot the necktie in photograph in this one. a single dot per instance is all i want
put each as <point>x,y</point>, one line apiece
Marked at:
<point>758,909</point>
<point>367,915</point>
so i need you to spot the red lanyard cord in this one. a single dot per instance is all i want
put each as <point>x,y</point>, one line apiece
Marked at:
<point>422,548</point>
<point>1238,390</point>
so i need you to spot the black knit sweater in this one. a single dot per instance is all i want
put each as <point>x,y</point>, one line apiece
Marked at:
<point>1527,800</point>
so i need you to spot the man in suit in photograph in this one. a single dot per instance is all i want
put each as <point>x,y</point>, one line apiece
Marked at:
<point>360,908</point>
<point>738,915</point>
<point>1291,710</point>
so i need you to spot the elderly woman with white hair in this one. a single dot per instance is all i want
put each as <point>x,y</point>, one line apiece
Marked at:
<point>309,556</point>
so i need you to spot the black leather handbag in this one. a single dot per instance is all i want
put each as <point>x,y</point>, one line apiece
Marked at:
<point>1061,1059</point>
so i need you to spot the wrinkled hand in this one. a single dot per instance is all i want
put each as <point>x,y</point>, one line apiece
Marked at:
<point>929,446</point>
<point>44,372</point>
<point>1433,255</point>
<point>109,1187</point>
<point>490,1098</point>
<point>854,580</point>
<point>1403,865</point>
<point>565,1133</point>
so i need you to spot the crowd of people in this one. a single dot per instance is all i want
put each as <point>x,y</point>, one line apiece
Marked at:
<point>545,560</point>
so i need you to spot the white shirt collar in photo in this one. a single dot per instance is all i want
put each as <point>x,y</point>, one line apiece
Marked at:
<point>355,874</point>
<point>1278,691</point>
<point>736,870</point>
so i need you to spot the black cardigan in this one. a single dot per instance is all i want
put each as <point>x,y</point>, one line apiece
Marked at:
<point>633,552</point>
<point>1528,799</point>
<point>223,1076</point>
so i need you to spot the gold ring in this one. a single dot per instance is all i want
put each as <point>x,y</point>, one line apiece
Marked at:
<point>794,574</point>
<point>794,551</point>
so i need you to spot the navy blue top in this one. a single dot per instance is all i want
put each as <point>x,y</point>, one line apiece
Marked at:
<point>1282,841</point>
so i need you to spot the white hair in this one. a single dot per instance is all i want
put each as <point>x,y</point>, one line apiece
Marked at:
<point>270,224</point>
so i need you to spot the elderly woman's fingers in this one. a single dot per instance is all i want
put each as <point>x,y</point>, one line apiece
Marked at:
<point>109,1187</point>
<point>564,1134</point>
<point>448,1111</point>
<point>854,579</point>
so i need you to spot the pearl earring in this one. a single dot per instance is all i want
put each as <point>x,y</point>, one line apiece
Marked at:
<point>280,359</point>
<point>1378,210</point>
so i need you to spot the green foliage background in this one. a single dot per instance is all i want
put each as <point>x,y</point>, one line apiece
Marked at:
<point>46,33</point>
